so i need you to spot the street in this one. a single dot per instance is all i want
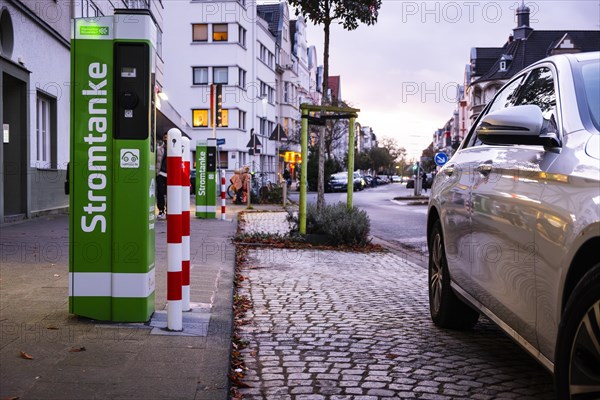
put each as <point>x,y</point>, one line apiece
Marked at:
<point>401,226</point>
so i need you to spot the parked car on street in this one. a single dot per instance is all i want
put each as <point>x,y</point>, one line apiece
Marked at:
<point>382,179</point>
<point>339,182</point>
<point>514,221</point>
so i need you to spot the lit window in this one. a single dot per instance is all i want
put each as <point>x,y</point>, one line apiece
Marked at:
<point>219,32</point>
<point>200,32</point>
<point>224,122</point>
<point>200,75</point>
<point>220,75</point>
<point>200,118</point>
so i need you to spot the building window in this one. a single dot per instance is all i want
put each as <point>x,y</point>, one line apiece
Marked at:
<point>143,4</point>
<point>199,32</point>
<point>200,75</point>
<point>241,78</point>
<point>200,118</point>
<point>219,32</point>
<point>271,95</point>
<point>270,128</point>
<point>45,132</point>
<point>266,56</point>
<point>220,75</point>
<point>286,92</point>
<point>242,36</point>
<point>87,9</point>
<point>242,119</point>
<point>263,126</point>
<point>159,43</point>
<point>224,123</point>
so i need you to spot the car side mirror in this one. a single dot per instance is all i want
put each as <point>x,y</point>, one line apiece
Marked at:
<point>513,125</point>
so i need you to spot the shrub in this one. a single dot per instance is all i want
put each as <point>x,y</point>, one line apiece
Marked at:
<point>342,226</point>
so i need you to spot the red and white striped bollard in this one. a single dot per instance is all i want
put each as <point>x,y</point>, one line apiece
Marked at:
<point>185,226</point>
<point>174,229</point>
<point>223,189</point>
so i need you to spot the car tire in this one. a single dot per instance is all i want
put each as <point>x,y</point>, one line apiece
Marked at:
<point>447,310</point>
<point>577,358</point>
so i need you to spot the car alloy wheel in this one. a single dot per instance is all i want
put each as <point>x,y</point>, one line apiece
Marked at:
<point>585,355</point>
<point>437,273</point>
<point>578,345</point>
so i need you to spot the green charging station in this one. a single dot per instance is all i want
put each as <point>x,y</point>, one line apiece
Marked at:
<point>111,175</point>
<point>206,179</point>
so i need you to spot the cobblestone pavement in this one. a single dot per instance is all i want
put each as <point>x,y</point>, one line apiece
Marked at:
<point>336,325</point>
<point>265,222</point>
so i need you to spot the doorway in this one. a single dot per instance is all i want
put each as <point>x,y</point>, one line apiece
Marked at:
<point>14,145</point>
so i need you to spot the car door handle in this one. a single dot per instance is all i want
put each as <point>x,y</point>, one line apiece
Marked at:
<point>484,169</point>
<point>449,170</point>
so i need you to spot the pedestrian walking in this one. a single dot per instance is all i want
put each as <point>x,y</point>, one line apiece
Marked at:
<point>161,177</point>
<point>287,177</point>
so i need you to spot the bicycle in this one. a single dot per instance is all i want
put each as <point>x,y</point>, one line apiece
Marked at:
<point>260,188</point>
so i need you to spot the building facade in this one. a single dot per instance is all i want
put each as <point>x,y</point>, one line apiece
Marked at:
<point>491,67</point>
<point>35,98</point>
<point>259,57</point>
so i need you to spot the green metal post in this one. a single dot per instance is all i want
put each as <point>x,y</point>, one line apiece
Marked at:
<point>303,172</point>
<point>350,162</point>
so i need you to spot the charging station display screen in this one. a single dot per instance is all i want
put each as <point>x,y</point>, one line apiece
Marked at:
<point>128,72</point>
<point>132,91</point>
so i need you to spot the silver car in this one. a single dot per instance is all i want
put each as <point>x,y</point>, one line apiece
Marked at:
<point>514,221</point>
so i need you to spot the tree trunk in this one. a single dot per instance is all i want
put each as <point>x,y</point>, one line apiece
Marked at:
<point>324,100</point>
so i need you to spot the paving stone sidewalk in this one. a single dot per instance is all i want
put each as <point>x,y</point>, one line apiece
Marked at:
<point>341,325</point>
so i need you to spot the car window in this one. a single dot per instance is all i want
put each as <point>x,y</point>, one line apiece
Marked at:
<point>504,98</point>
<point>591,83</point>
<point>538,89</point>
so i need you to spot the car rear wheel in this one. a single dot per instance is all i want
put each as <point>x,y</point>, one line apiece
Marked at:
<point>447,310</point>
<point>578,346</point>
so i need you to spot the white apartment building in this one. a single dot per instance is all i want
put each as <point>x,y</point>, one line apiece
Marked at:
<point>248,49</point>
<point>222,42</point>
<point>35,99</point>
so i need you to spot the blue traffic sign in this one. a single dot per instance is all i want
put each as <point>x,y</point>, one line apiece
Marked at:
<point>440,159</point>
<point>220,142</point>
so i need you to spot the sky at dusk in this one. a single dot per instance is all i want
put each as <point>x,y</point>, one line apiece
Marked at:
<point>402,72</point>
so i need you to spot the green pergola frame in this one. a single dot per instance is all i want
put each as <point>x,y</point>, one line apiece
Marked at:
<point>326,112</point>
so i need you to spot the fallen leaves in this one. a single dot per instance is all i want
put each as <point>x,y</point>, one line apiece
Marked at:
<point>77,349</point>
<point>26,356</point>
<point>241,304</point>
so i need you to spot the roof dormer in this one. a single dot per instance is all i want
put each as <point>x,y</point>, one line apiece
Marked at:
<point>505,61</point>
